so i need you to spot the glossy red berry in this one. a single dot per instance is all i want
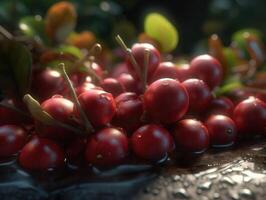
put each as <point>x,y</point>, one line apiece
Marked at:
<point>46,83</point>
<point>119,69</point>
<point>86,86</point>
<point>191,136</point>
<point>130,84</point>
<point>250,116</point>
<point>208,69</point>
<point>152,142</point>
<point>106,148</point>
<point>12,139</point>
<point>98,105</point>
<point>199,95</point>
<point>128,112</point>
<point>221,106</point>
<point>184,72</point>
<point>166,70</point>
<point>41,154</point>
<point>62,110</point>
<point>138,51</point>
<point>112,86</point>
<point>166,100</point>
<point>222,130</point>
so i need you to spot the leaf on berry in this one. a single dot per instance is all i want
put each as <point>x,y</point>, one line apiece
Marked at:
<point>15,67</point>
<point>159,28</point>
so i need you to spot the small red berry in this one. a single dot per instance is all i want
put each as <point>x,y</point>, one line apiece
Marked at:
<point>166,100</point>
<point>221,106</point>
<point>152,142</point>
<point>184,72</point>
<point>107,148</point>
<point>130,84</point>
<point>191,136</point>
<point>222,130</point>
<point>12,139</point>
<point>98,105</point>
<point>112,86</point>
<point>41,154</point>
<point>165,70</point>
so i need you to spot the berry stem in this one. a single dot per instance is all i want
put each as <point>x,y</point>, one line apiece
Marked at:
<point>39,114</point>
<point>5,33</point>
<point>87,123</point>
<point>146,64</point>
<point>130,55</point>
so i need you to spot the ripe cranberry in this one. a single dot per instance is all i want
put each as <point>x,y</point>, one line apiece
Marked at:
<point>119,69</point>
<point>112,86</point>
<point>184,72</point>
<point>138,51</point>
<point>199,94</point>
<point>238,95</point>
<point>41,154</point>
<point>222,130</point>
<point>191,136</point>
<point>165,70</point>
<point>166,100</point>
<point>128,112</point>
<point>108,147</point>
<point>86,86</point>
<point>75,150</point>
<point>98,105</point>
<point>62,110</point>
<point>152,142</point>
<point>250,116</point>
<point>46,83</point>
<point>221,106</point>
<point>208,69</point>
<point>12,139</point>
<point>130,84</point>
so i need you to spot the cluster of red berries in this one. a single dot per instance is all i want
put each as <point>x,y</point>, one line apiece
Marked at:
<point>171,110</point>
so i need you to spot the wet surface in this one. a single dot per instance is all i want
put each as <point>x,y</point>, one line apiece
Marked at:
<point>237,173</point>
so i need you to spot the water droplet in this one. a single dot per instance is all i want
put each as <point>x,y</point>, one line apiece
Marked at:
<point>180,193</point>
<point>205,186</point>
<point>246,193</point>
<point>227,180</point>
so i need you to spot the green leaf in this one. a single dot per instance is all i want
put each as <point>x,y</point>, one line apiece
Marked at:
<point>33,26</point>
<point>159,28</point>
<point>71,50</point>
<point>15,66</point>
<point>228,88</point>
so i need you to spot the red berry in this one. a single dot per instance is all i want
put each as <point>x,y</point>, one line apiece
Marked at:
<point>119,69</point>
<point>191,136</point>
<point>208,69</point>
<point>46,83</point>
<point>221,106</point>
<point>12,139</point>
<point>199,94</point>
<point>152,142</point>
<point>98,105</point>
<point>86,86</point>
<point>41,154</point>
<point>138,51</point>
<point>166,70</point>
<point>62,110</point>
<point>130,84</point>
<point>184,72</point>
<point>222,130</point>
<point>250,116</point>
<point>108,147</point>
<point>166,100</point>
<point>112,86</point>
<point>129,111</point>
<point>75,150</point>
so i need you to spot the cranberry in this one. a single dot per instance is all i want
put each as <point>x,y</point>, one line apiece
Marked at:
<point>41,154</point>
<point>138,51</point>
<point>191,136</point>
<point>86,86</point>
<point>119,69</point>
<point>166,100</point>
<point>208,69</point>
<point>199,94</point>
<point>46,83</point>
<point>152,142</point>
<point>183,72</point>
<point>250,116</point>
<point>166,70</point>
<point>62,110</point>
<point>238,95</point>
<point>75,149</point>
<point>12,139</point>
<point>129,111</point>
<point>130,84</point>
<point>108,147</point>
<point>98,105</point>
<point>222,130</point>
<point>112,86</point>
<point>221,106</point>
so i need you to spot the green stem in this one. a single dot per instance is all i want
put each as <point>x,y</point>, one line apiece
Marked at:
<point>146,65</point>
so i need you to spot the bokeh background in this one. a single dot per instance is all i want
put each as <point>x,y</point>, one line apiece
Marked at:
<point>194,19</point>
